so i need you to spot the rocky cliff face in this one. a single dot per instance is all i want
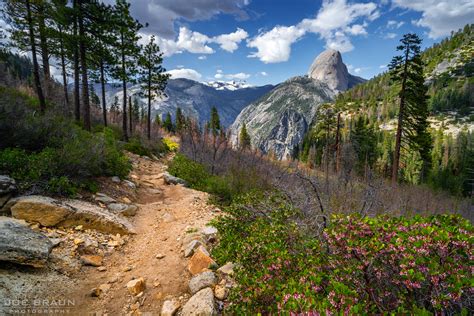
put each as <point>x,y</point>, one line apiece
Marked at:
<point>329,68</point>
<point>278,121</point>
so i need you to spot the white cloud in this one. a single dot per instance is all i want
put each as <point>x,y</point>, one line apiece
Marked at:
<point>202,57</point>
<point>391,24</point>
<point>198,43</point>
<point>440,16</point>
<point>334,22</point>
<point>185,73</point>
<point>230,42</point>
<point>382,66</point>
<point>263,73</point>
<point>390,35</point>
<point>239,76</point>
<point>180,66</point>
<point>275,46</point>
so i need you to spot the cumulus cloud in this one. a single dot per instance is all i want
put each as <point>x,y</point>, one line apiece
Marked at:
<point>440,16</point>
<point>335,22</point>
<point>186,73</point>
<point>275,46</point>
<point>198,43</point>
<point>230,42</point>
<point>202,57</point>
<point>263,73</point>
<point>162,15</point>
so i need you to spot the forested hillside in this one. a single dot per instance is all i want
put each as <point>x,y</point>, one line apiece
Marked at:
<point>367,119</point>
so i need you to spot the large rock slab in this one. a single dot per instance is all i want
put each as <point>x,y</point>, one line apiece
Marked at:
<point>200,304</point>
<point>71,213</point>
<point>20,244</point>
<point>202,280</point>
<point>123,209</point>
<point>169,179</point>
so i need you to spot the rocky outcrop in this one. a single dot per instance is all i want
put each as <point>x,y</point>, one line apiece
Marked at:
<point>329,68</point>
<point>20,244</point>
<point>169,179</point>
<point>71,213</point>
<point>279,120</point>
<point>200,304</point>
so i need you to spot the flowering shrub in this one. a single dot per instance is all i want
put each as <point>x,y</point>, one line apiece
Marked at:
<point>358,265</point>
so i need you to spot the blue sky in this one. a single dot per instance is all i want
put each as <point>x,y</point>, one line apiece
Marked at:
<point>269,41</point>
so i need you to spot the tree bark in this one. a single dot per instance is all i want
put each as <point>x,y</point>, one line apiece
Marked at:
<point>102,83</point>
<point>36,75</point>
<point>85,82</point>
<point>77,100</point>
<point>124,89</point>
<point>44,48</point>
<point>130,113</point>
<point>149,105</point>
<point>398,141</point>
<point>338,151</point>
<point>63,69</point>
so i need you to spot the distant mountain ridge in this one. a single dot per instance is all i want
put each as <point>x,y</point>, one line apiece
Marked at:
<point>278,121</point>
<point>195,99</point>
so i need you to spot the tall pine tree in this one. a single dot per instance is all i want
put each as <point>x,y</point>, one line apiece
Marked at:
<point>406,70</point>
<point>152,76</point>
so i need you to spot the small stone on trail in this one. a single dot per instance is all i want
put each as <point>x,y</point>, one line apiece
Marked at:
<point>92,260</point>
<point>116,179</point>
<point>169,308</point>
<point>160,256</point>
<point>136,286</point>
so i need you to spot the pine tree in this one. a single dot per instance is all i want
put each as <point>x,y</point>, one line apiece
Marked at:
<point>152,76</point>
<point>127,52</point>
<point>158,120</point>
<point>244,138</point>
<point>215,122</point>
<point>22,18</point>
<point>406,70</point>
<point>168,123</point>
<point>180,120</point>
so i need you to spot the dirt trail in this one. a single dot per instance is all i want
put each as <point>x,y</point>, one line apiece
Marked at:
<point>167,214</point>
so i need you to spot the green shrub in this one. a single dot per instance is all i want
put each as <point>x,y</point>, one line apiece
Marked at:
<point>359,265</point>
<point>134,145</point>
<point>194,173</point>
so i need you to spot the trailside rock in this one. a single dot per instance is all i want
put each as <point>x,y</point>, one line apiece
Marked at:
<point>169,308</point>
<point>123,209</point>
<point>200,261</point>
<point>202,280</point>
<point>193,245</point>
<point>101,197</point>
<point>136,286</point>
<point>71,213</point>
<point>221,292</point>
<point>227,269</point>
<point>20,244</point>
<point>7,185</point>
<point>169,179</point>
<point>40,209</point>
<point>200,304</point>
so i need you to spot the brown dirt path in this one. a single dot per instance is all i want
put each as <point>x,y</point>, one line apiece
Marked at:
<point>167,214</point>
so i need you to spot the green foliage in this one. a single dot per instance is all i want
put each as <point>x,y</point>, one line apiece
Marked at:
<point>215,122</point>
<point>359,265</point>
<point>244,138</point>
<point>134,145</point>
<point>168,123</point>
<point>224,187</point>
